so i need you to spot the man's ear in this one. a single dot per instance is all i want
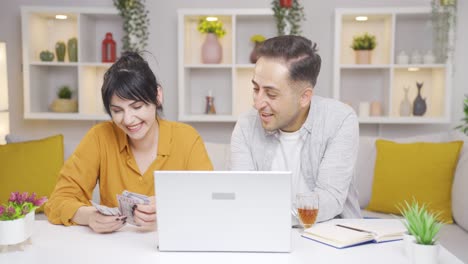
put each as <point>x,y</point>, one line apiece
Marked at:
<point>306,96</point>
<point>159,97</point>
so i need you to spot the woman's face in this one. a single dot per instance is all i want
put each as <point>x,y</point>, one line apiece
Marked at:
<point>135,118</point>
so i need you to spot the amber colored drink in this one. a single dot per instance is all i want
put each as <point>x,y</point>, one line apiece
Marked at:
<point>307,216</point>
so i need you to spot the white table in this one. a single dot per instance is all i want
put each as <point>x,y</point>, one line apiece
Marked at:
<point>59,244</point>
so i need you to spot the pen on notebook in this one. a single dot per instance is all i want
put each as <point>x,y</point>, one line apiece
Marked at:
<point>355,229</point>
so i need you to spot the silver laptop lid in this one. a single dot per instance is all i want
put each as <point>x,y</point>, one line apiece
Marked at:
<point>223,210</point>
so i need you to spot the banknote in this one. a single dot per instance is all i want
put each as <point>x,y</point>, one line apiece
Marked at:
<point>127,200</point>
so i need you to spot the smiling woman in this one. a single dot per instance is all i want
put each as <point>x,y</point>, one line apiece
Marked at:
<point>124,153</point>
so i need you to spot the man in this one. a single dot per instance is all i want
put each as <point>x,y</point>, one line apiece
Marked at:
<point>294,130</point>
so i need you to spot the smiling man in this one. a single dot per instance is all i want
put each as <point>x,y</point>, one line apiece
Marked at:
<point>291,129</point>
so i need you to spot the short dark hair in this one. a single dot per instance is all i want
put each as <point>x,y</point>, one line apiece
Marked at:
<point>130,77</point>
<point>299,54</point>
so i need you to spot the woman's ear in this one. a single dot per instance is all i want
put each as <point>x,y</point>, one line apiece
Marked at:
<point>159,97</point>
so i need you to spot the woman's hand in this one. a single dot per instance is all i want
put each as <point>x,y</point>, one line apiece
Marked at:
<point>145,214</point>
<point>99,223</point>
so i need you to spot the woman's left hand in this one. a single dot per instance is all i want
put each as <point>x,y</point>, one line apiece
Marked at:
<point>145,214</point>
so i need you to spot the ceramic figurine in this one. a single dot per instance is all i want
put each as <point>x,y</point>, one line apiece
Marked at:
<point>419,105</point>
<point>405,105</point>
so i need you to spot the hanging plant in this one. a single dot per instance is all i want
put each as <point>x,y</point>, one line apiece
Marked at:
<point>444,17</point>
<point>135,24</point>
<point>288,15</point>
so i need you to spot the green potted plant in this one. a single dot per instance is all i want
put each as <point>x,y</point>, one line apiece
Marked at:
<point>424,227</point>
<point>464,126</point>
<point>64,103</point>
<point>211,52</point>
<point>257,39</point>
<point>288,15</point>
<point>363,45</point>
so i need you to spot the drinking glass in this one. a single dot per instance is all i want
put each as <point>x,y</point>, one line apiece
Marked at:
<point>307,205</point>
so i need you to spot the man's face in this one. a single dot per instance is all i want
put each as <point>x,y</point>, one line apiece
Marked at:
<point>280,104</point>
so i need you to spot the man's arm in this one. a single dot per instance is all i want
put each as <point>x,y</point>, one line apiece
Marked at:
<point>337,168</point>
<point>241,154</point>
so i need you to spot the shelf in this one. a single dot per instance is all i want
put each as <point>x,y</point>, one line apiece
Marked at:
<point>229,82</point>
<point>383,80</point>
<point>42,80</point>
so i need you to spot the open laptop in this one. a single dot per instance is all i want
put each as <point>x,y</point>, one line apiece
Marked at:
<point>223,210</point>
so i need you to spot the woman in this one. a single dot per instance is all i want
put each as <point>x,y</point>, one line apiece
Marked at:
<point>122,154</point>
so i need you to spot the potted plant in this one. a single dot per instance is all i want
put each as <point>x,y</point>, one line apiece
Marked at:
<point>288,15</point>
<point>135,24</point>
<point>212,51</point>
<point>363,45</point>
<point>464,126</point>
<point>423,226</point>
<point>64,103</point>
<point>17,218</point>
<point>257,39</point>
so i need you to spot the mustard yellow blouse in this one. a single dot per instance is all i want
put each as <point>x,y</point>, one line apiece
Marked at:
<point>104,155</point>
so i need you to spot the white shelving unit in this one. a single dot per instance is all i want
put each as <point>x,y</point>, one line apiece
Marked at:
<point>383,80</point>
<point>41,31</point>
<point>229,81</point>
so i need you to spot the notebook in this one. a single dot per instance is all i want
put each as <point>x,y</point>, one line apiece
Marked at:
<point>352,232</point>
<point>223,211</point>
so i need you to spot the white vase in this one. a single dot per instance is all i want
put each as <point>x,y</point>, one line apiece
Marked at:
<point>424,254</point>
<point>17,231</point>
<point>211,52</point>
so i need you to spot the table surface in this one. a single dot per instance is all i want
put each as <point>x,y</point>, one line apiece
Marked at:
<point>77,244</point>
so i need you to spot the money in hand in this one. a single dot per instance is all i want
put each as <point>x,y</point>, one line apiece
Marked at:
<point>127,200</point>
<point>106,210</point>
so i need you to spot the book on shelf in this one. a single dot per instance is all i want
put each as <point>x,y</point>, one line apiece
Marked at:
<point>353,232</point>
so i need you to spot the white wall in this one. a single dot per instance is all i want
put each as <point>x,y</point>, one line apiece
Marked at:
<point>163,44</point>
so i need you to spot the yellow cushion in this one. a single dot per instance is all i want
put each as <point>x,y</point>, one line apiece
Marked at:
<point>30,166</point>
<point>420,170</point>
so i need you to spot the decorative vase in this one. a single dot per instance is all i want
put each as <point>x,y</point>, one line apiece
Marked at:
<point>419,104</point>
<point>429,57</point>
<point>405,105</point>
<point>108,48</point>
<point>424,254</point>
<point>17,231</point>
<point>402,58</point>
<point>375,108</point>
<point>211,52</point>
<point>73,50</point>
<point>416,57</point>
<point>46,55</point>
<point>363,56</point>
<point>60,49</point>
<point>286,3</point>
<point>64,105</point>
<point>253,54</point>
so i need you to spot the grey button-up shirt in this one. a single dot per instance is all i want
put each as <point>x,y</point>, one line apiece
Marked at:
<point>328,156</point>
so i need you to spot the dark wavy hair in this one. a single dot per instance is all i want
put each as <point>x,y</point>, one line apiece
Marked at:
<point>298,53</point>
<point>130,77</point>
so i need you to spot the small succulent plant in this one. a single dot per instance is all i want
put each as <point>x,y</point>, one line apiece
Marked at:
<point>364,42</point>
<point>64,92</point>
<point>420,223</point>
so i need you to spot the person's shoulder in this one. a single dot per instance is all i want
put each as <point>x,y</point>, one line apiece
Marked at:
<point>333,107</point>
<point>248,119</point>
<point>103,128</point>
<point>179,128</point>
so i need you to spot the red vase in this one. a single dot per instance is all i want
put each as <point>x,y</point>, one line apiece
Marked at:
<point>286,3</point>
<point>108,48</point>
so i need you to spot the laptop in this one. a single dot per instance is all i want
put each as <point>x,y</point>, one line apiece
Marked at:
<point>246,211</point>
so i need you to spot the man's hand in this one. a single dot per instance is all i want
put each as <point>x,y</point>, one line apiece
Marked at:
<point>145,214</point>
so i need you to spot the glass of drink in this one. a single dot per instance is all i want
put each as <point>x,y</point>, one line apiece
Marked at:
<point>307,205</point>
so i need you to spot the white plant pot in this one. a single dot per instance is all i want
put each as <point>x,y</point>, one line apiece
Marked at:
<point>425,254</point>
<point>408,241</point>
<point>16,231</point>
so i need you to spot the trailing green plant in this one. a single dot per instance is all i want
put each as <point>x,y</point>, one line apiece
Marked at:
<point>257,38</point>
<point>364,42</point>
<point>64,92</point>
<point>215,27</point>
<point>420,223</point>
<point>444,19</point>
<point>135,24</point>
<point>464,126</point>
<point>288,19</point>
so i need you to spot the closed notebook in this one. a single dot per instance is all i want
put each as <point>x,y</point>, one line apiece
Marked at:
<point>342,234</point>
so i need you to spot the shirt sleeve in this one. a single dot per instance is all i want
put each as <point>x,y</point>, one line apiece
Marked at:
<point>76,182</point>
<point>241,156</point>
<point>337,168</point>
